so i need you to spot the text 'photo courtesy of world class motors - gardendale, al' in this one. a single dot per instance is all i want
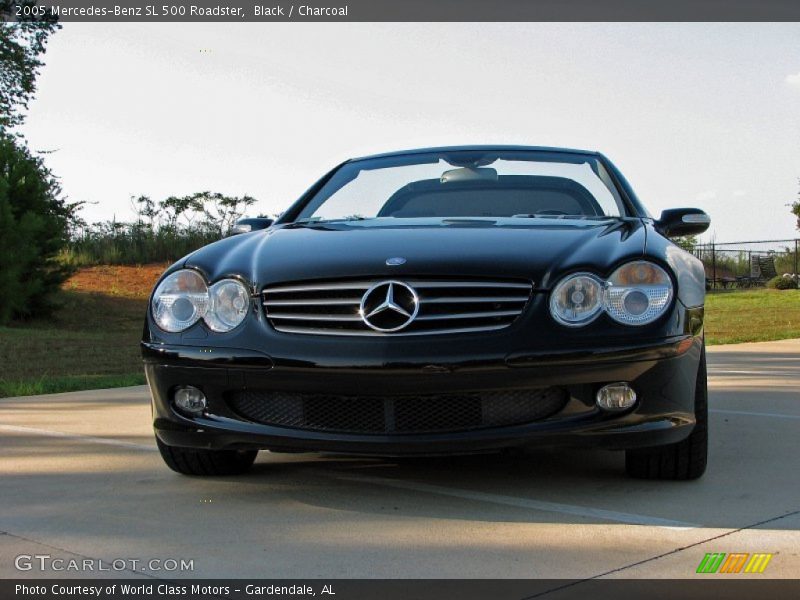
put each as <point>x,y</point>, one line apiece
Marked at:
<point>401,300</point>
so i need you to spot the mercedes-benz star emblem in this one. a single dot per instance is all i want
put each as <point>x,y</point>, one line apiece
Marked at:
<point>389,306</point>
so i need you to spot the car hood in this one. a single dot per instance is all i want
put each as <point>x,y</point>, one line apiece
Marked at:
<point>541,251</point>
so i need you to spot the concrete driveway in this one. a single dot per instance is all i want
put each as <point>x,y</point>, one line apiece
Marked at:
<point>81,478</point>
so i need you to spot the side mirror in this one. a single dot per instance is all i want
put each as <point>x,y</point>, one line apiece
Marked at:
<point>250,224</point>
<point>676,222</point>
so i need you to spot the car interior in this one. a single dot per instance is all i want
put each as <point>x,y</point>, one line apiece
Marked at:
<point>491,196</point>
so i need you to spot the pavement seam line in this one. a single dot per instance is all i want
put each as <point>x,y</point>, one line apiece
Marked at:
<point>529,503</point>
<point>76,436</point>
<point>752,414</point>
<point>664,554</point>
<point>83,556</point>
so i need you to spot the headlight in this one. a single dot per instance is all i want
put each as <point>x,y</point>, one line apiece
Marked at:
<point>577,300</point>
<point>180,301</point>
<point>230,300</point>
<point>638,293</point>
<point>183,298</point>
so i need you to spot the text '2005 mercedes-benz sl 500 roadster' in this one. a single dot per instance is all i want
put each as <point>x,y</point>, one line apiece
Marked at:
<point>438,301</point>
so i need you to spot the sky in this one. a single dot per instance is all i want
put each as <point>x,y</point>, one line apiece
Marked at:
<point>698,114</point>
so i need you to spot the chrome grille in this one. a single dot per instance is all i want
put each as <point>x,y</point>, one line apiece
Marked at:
<point>445,306</point>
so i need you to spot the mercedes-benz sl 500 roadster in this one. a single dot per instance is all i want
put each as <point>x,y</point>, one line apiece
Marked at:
<point>438,301</point>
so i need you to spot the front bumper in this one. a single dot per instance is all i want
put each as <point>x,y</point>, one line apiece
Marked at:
<point>663,375</point>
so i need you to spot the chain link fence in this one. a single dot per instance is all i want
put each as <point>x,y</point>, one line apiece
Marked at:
<point>748,264</point>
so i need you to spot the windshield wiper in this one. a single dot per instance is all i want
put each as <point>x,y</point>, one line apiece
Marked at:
<point>549,216</point>
<point>312,221</point>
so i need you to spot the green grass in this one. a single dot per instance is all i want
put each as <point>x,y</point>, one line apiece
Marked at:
<point>752,316</point>
<point>53,385</point>
<point>91,342</point>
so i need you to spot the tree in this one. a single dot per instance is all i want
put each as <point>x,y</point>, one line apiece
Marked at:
<point>34,223</point>
<point>687,242</point>
<point>145,208</point>
<point>221,211</point>
<point>175,207</point>
<point>795,206</point>
<point>21,45</point>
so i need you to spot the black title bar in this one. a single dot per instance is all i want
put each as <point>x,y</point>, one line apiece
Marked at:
<point>151,11</point>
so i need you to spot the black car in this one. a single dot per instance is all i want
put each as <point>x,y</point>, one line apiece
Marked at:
<point>438,301</point>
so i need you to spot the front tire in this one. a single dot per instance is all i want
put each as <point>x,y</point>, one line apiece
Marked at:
<point>191,461</point>
<point>686,459</point>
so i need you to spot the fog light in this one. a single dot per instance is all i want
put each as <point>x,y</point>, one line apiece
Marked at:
<point>616,396</point>
<point>190,400</point>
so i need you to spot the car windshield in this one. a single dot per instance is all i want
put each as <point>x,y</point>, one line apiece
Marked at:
<point>467,184</point>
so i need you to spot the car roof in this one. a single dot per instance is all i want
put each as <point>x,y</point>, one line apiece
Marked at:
<point>487,148</point>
